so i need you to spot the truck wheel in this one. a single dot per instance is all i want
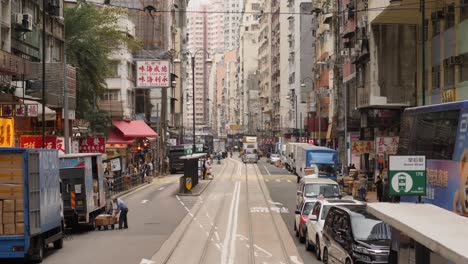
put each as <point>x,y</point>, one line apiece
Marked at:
<point>112,227</point>
<point>298,179</point>
<point>105,227</point>
<point>38,251</point>
<point>58,244</point>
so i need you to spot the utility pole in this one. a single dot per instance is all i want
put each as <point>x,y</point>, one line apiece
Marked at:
<point>44,37</point>
<point>423,51</point>
<point>66,119</point>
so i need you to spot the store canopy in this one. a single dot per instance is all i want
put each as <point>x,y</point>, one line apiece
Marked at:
<point>440,230</point>
<point>116,137</point>
<point>50,114</point>
<point>135,129</point>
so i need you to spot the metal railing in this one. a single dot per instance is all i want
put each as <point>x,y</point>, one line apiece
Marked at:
<point>124,182</point>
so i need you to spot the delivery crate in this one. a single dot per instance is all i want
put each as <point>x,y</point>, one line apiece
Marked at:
<point>104,221</point>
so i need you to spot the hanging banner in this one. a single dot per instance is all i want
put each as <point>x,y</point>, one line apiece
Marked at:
<point>152,74</point>
<point>92,145</point>
<point>7,132</point>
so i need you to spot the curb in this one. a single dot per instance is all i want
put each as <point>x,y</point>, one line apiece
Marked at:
<point>196,194</point>
<point>137,188</point>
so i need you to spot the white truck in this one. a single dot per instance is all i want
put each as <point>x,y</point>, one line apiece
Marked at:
<point>250,149</point>
<point>291,155</point>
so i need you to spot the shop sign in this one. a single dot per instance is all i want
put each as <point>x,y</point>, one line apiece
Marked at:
<point>386,145</point>
<point>152,74</point>
<point>7,132</point>
<point>19,110</point>
<point>449,95</point>
<point>36,142</point>
<point>362,146</point>
<point>407,175</point>
<point>92,145</point>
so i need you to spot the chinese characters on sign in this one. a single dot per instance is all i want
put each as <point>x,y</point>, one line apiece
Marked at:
<point>386,145</point>
<point>362,146</point>
<point>92,145</point>
<point>407,175</point>
<point>7,131</point>
<point>36,142</point>
<point>153,73</point>
<point>20,110</point>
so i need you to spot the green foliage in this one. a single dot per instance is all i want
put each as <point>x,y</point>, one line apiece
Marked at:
<point>91,34</point>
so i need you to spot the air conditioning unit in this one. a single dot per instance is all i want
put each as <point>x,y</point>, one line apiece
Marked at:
<point>27,21</point>
<point>454,60</point>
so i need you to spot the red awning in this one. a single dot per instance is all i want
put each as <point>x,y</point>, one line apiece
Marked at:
<point>116,137</point>
<point>135,129</point>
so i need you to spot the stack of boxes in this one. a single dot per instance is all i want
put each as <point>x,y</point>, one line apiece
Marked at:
<point>11,194</point>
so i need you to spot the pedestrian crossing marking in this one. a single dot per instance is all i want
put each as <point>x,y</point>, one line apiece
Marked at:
<point>288,180</point>
<point>277,180</point>
<point>267,180</point>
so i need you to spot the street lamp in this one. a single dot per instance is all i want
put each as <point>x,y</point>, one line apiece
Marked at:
<point>208,61</point>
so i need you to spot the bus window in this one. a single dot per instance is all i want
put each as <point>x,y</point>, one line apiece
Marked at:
<point>432,134</point>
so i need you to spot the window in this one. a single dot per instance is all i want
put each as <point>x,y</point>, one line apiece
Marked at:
<point>464,10</point>
<point>111,95</point>
<point>434,134</point>
<point>255,6</point>
<point>449,74</point>
<point>113,69</point>
<point>436,77</point>
<point>450,16</point>
<point>131,72</point>
<point>464,68</point>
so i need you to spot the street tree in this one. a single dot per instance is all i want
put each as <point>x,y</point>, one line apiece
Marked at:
<point>91,35</point>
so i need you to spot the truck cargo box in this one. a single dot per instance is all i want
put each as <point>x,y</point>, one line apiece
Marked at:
<point>30,200</point>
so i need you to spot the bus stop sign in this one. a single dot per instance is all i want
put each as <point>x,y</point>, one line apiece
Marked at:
<point>407,175</point>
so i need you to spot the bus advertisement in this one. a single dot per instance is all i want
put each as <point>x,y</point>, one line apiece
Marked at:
<point>440,132</point>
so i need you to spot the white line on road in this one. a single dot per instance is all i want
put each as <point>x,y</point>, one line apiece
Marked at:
<point>295,260</point>
<point>224,255</point>
<point>162,188</point>
<point>144,201</point>
<point>232,255</point>
<point>146,261</point>
<point>275,203</point>
<point>269,174</point>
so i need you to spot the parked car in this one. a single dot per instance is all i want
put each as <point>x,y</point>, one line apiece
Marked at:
<point>313,188</point>
<point>300,218</point>
<point>274,158</point>
<point>316,220</point>
<point>352,235</point>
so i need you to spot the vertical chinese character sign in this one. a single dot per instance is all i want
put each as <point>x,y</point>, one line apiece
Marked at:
<point>153,73</point>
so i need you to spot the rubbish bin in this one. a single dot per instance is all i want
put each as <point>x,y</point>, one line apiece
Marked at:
<point>191,169</point>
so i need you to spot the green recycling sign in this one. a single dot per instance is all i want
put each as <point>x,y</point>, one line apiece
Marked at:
<point>407,175</point>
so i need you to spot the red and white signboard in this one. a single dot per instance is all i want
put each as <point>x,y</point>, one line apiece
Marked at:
<point>92,145</point>
<point>152,73</point>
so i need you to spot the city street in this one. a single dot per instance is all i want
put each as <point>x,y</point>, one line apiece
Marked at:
<point>233,221</point>
<point>282,187</point>
<point>150,225</point>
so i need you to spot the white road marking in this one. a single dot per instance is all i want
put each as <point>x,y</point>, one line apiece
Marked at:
<point>144,201</point>
<point>275,203</point>
<point>217,235</point>
<point>162,188</point>
<point>178,198</point>
<point>234,229</point>
<point>262,250</point>
<point>269,174</point>
<point>224,254</point>
<point>146,261</point>
<point>295,260</point>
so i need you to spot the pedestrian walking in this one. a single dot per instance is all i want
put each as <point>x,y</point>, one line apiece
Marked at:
<point>363,188</point>
<point>122,208</point>
<point>379,187</point>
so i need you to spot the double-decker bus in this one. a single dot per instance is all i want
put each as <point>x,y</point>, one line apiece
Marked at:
<point>440,132</point>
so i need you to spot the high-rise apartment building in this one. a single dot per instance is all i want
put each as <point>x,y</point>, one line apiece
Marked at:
<point>232,23</point>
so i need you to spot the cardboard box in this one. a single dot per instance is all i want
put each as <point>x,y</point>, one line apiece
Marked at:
<point>1,229</point>
<point>9,229</point>
<point>8,206</point>
<point>19,217</point>
<point>19,205</point>
<point>1,206</point>
<point>8,217</point>
<point>11,191</point>
<point>19,228</point>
